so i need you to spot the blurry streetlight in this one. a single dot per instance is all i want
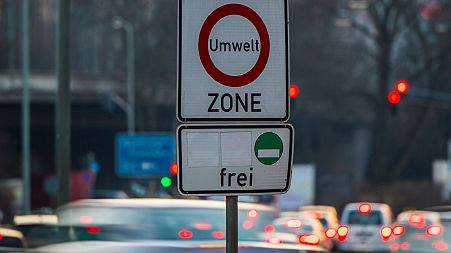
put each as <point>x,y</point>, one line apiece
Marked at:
<point>120,23</point>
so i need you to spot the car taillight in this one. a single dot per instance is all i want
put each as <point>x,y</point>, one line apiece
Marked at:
<point>270,229</point>
<point>405,246</point>
<point>185,234</point>
<point>294,223</point>
<point>85,219</point>
<point>386,232</point>
<point>273,240</point>
<point>434,230</point>
<point>309,239</point>
<point>417,220</point>
<point>398,230</point>
<point>93,230</point>
<point>202,226</point>
<point>330,233</point>
<point>440,245</point>
<point>394,247</point>
<point>218,234</point>
<point>342,233</point>
<point>252,214</point>
<point>364,208</point>
<point>248,224</point>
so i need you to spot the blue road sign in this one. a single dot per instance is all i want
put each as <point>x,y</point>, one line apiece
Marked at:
<point>144,154</point>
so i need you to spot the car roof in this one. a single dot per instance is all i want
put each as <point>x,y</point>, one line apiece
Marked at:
<point>35,219</point>
<point>374,206</point>
<point>432,216</point>
<point>163,203</point>
<point>322,208</point>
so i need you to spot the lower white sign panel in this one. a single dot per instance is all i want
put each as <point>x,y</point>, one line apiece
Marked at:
<point>234,159</point>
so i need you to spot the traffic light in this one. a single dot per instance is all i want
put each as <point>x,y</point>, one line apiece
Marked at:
<point>173,169</point>
<point>166,182</point>
<point>394,97</point>
<point>402,87</point>
<point>294,91</point>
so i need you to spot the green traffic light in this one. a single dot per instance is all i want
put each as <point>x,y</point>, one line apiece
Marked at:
<point>166,182</point>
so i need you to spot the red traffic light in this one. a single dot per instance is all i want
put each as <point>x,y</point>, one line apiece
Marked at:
<point>402,87</point>
<point>394,97</point>
<point>173,169</point>
<point>294,91</point>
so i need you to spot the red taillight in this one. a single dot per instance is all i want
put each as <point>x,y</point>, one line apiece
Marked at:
<point>270,229</point>
<point>202,226</point>
<point>309,239</point>
<point>252,214</point>
<point>185,234</point>
<point>398,230</point>
<point>330,233</point>
<point>294,223</point>
<point>342,233</point>
<point>417,220</point>
<point>218,234</point>
<point>273,240</point>
<point>394,247</point>
<point>365,209</point>
<point>386,232</point>
<point>434,230</point>
<point>85,219</point>
<point>405,246</point>
<point>248,224</point>
<point>440,245</point>
<point>93,230</point>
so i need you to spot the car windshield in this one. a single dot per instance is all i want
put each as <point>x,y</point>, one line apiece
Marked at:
<point>164,223</point>
<point>373,218</point>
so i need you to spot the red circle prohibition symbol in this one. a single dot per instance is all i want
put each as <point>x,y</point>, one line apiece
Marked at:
<point>207,27</point>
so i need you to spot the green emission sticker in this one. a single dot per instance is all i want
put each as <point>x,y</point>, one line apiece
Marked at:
<point>268,148</point>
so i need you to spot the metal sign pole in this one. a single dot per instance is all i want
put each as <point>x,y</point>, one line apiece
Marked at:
<point>232,224</point>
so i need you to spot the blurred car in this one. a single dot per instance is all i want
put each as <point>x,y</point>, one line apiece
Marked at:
<point>11,240</point>
<point>163,225</point>
<point>364,228</point>
<point>431,239</point>
<point>326,214</point>
<point>413,225</point>
<point>290,228</point>
<point>38,229</point>
<point>415,218</point>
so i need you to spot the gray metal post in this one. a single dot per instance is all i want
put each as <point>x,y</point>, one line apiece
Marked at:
<point>232,224</point>
<point>63,103</point>
<point>130,77</point>
<point>25,31</point>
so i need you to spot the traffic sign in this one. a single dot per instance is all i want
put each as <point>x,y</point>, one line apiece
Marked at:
<point>141,155</point>
<point>233,60</point>
<point>234,159</point>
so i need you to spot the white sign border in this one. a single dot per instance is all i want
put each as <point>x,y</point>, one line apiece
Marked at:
<point>213,119</point>
<point>233,192</point>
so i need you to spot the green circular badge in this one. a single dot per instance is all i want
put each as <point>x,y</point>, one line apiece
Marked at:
<point>268,148</point>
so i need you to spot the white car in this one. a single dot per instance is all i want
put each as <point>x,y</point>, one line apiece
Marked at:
<point>326,214</point>
<point>365,227</point>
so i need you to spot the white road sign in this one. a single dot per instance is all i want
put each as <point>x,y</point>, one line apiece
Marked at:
<point>233,60</point>
<point>234,159</point>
